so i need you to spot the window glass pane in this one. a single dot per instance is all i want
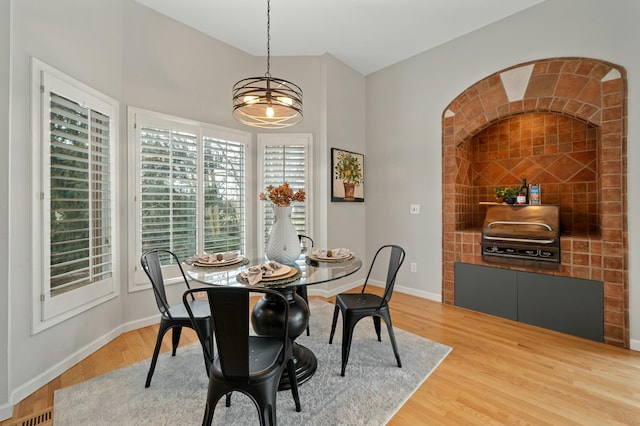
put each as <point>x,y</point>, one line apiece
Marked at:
<point>80,196</point>
<point>192,189</point>
<point>286,163</point>
<point>169,186</point>
<point>101,197</point>
<point>224,195</point>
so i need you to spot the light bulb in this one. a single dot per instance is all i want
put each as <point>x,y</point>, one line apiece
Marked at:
<point>270,112</point>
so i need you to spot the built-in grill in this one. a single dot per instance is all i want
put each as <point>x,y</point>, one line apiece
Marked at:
<point>522,234</point>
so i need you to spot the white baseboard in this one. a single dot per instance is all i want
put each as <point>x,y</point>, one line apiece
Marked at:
<point>411,291</point>
<point>634,345</point>
<point>436,297</point>
<point>332,290</point>
<point>26,389</point>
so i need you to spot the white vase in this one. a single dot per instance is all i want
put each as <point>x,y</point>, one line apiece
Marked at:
<point>283,244</point>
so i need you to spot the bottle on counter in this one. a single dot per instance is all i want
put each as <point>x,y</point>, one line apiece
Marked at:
<point>523,194</point>
<point>534,194</point>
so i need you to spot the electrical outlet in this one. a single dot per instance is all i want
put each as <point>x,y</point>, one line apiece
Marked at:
<point>414,267</point>
<point>414,209</point>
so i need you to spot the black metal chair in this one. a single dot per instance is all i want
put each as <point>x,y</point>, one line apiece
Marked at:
<point>246,363</point>
<point>355,306</point>
<point>173,316</point>
<point>302,290</point>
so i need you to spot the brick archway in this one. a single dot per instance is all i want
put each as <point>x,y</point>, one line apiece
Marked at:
<point>587,90</point>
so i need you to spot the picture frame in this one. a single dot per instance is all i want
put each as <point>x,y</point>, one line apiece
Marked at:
<point>347,176</point>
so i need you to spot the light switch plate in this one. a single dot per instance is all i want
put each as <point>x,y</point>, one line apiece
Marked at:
<point>414,209</point>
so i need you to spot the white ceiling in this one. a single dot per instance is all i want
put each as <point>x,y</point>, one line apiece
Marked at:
<point>368,35</point>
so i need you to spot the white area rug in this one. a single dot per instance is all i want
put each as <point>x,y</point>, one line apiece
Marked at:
<point>373,389</point>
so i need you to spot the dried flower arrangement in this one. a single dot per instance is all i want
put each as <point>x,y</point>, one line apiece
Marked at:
<point>282,195</point>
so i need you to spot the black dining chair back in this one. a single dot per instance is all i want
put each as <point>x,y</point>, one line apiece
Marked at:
<point>355,306</point>
<point>242,361</point>
<point>302,290</point>
<point>396,258</point>
<point>303,237</point>
<point>172,317</point>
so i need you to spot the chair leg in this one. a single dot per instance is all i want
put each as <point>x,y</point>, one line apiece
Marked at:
<point>333,324</point>
<point>393,340</point>
<point>291,371</point>
<point>267,415</point>
<point>213,396</point>
<point>348,324</point>
<point>265,398</point>
<point>175,339</point>
<point>376,325</point>
<point>204,329</point>
<point>161,331</point>
<point>208,414</point>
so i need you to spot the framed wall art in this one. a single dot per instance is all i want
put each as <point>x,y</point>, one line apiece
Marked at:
<point>347,176</point>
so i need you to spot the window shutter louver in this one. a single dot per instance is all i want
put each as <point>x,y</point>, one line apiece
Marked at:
<point>80,195</point>
<point>74,227</point>
<point>192,188</point>
<point>224,195</point>
<point>169,190</point>
<point>286,163</point>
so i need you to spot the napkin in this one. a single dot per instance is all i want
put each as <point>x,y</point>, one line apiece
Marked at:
<point>336,252</point>
<point>254,274</point>
<point>216,257</point>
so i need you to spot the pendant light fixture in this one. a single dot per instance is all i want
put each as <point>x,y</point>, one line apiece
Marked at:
<point>267,102</point>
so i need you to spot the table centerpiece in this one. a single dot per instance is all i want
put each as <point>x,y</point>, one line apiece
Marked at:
<point>283,244</point>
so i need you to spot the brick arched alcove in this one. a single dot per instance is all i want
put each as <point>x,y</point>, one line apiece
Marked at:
<point>586,90</point>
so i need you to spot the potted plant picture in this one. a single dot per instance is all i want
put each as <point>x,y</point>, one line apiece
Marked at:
<point>348,173</point>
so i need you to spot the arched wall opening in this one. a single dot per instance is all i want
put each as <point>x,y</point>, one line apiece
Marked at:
<point>561,123</point>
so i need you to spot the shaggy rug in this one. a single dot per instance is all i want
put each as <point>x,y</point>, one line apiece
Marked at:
<point>373,389</point>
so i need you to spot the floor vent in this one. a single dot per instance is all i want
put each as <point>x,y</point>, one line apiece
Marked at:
<point>42,418</point>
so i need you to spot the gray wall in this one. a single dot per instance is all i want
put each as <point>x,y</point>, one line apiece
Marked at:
<point>145,60</point>
<point>405,103</point>
<point>393,117</point>
<point>97,61</point>
<point>5,43</point>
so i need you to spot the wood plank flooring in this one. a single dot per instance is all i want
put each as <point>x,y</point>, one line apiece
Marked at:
<point>499,372</point>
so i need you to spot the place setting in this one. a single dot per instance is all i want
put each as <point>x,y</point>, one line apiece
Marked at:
<point>269,273</point>
<point>229,258</point>
<point>330,255</point>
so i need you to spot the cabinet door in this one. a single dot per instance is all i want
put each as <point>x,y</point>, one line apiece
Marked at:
<point>570,305</point>
<point>489,290</point>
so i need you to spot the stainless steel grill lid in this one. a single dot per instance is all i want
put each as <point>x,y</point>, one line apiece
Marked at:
<point>535,224</point>
<point>517,234</point>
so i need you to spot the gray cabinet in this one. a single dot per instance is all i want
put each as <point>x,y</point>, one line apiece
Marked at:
<point>489,290</point>
<point>569,305</point>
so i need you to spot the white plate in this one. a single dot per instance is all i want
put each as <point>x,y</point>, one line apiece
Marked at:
<point>223,262</point>
<point>344,256</point>
<point>280,273</point>
<point>282,270</point>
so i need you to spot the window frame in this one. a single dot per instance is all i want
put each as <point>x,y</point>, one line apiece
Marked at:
<point>275,139</point>
<point>47,310</point>
<point>137,118</point>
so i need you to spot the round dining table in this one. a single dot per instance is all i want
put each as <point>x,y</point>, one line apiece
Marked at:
<point>268,312</point>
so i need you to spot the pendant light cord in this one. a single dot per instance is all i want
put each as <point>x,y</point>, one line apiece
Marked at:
<point>268,73</point>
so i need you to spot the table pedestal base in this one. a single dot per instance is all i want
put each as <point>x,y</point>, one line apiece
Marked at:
<point>268,315</point>
<point>306,365</point>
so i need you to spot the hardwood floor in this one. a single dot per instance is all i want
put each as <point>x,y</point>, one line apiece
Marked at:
<point>499,372</point>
